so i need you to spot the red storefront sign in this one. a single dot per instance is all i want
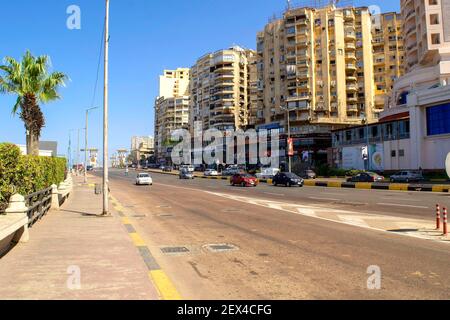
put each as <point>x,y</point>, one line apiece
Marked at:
<point>290,142</point>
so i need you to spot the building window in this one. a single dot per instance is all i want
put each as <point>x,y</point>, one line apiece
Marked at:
<point>434,19</point>
<point>432,2</point>
<point>435,38</point>
<point>393,154</point>
<point>438,119</point>
<point>401,153</point>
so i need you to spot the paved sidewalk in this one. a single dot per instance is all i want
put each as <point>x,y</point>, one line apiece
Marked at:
<point>73,239</point>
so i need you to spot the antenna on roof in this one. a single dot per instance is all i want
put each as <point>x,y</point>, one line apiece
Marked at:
<point>288,4</point>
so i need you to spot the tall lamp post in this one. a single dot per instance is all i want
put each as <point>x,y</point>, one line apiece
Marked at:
<point>105,115</point>
<point>288,120</point>
<point>366,122</point>
<point>86,143</point>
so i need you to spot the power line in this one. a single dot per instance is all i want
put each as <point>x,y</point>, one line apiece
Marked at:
<point>98,66</point>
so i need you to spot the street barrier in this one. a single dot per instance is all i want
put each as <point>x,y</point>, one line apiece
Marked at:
<point>438,217</point>
<point>445,221</point>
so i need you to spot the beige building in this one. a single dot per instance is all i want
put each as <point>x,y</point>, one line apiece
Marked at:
<point>426,27</point>
<point>319,63</point>
<point>220,89</point>
<point>171,109</point>
<point>388,54</point>
<point>141,147</point>
<point>174,83</point>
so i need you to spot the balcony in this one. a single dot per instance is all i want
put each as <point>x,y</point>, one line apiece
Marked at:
<point>349,15</point>
<point>350,56</point>
<point>303,64</point>
<point>350,46</point>
<point>352,108</point>
<point>350,66</point>
<point>352,87</point>
<point>349,35</point>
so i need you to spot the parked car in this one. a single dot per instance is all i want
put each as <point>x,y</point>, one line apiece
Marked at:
<point>267,173</point>
<point>186,174</point>
<point>90,168</point>
<point>167,169</point>
<point>407,176</point>
<point>366,177</point>
<point>144,179</point>
<point>308,174</point>
<point>244,180</point>
<point>231,171</point>
<point>187,167</point>
<point>210,173</point>
<point>288,179</point>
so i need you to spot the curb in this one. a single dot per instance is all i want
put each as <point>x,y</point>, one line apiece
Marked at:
<point>349,185</point>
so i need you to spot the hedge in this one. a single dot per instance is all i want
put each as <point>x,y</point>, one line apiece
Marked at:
<point>26,174</point>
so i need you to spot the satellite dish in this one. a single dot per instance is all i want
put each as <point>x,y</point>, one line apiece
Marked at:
<point>447,164</point>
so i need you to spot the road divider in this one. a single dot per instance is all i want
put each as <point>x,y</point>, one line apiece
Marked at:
<point>340,184</point>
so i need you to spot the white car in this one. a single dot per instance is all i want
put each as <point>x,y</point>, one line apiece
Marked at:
<point>144,179</point>
<point>267,173</point>
<point>210,173</point>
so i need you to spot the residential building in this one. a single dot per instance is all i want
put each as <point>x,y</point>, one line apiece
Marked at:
<point>318,63</point>
<point>388,54</point>
<point>174,83</point>
<point>141,147</point>
<point>171,109</point>
<point>220,89</point>
<point>170,114</point>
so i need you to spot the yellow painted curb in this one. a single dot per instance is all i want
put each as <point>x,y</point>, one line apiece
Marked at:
<point>440,188</point>
<point>334,184</point>
<point>363,185</point>
<point>310,183</point>
<point>137,240</point>
<point>399,187</point>
<point>269,181</point>
<point>163,284</point>
<point>126,220</point>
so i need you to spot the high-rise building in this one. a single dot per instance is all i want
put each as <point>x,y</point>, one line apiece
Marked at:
<point>141,147</point>
<point>388,54</point>
<point>220,89</point>
<point>318,62</point>
<point>171,109</point>
<point>174,83</point>
<point>426,29</point>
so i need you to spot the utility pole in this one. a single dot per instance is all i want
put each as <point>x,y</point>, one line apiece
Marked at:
<point>86,144</point>
<point>105,117</point>
<point>78,152</point>
<point>288,120</point>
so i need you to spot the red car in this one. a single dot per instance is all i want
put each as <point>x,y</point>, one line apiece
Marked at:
<point>244,180</point>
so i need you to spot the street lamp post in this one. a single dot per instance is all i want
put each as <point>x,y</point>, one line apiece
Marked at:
<point>366,122</point>
<point>105,115</point>
<point>86,143</point>
<point>288,120</point>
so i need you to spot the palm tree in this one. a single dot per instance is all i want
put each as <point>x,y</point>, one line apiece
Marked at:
<point>31,82</point>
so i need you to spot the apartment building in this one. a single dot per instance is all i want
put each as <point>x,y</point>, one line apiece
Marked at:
<point>220,88</point>
<point>388,54</point>
<point>141,146</point>
<point>174,83</point>
<point>319,64</point>
<point>171,109</point>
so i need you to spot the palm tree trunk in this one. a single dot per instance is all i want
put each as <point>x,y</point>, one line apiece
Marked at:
<point>34,121</point>
<point>32,144</point>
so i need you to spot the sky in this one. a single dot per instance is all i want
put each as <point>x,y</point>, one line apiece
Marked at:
<point>147,36</point>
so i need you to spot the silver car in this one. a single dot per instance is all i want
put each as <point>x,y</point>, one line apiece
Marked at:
<point>407,176</point>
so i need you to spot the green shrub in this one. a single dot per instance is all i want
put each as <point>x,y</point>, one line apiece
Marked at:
<point>26,174</point>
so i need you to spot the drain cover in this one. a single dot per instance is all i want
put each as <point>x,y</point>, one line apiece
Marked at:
<point>221,247</point>
<point>174,250</point>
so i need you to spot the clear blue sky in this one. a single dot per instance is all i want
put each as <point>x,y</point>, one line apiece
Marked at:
<point>147,36</point>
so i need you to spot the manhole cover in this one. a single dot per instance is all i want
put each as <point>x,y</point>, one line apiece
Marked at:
<point>174,250</point>
<point>404,230</point>
<point>221,247</point>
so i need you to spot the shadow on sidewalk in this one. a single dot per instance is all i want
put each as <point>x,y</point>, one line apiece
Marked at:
<point>87,214</point>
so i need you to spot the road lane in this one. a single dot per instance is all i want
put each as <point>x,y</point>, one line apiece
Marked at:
<point>281,255</point>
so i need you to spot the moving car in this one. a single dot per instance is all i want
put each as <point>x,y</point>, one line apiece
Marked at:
<point>210,173</point>
<point>186,174</point>
<point>187,167</point>
<point>366,177</point>
<point>308,174</point>
<point>288,179</point>
<point>267,173</point>
<point>144,179</point>
<point>244,180</point>
<point>407,176</point>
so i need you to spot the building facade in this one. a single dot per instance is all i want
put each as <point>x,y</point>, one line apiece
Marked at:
<point>174,83</point>
<point>141,147</point>
<point>388,54</point>
<point>221,88</point>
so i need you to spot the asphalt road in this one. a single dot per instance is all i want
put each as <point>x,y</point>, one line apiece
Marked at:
<point>280,255</point>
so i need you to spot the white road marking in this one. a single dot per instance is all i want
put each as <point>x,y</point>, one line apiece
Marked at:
<point>318,198</point>
<point>274,194</point>
<point>401,205</point>
<point>401,199</point>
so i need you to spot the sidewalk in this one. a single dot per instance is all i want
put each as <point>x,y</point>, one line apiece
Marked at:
<point>73,239</point>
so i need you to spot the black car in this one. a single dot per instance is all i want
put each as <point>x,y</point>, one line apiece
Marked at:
<point>366,177</point>
<point>167,169</point>
<point>288,179</point>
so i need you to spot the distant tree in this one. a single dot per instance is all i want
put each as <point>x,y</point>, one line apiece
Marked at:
<point>30,81</point>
